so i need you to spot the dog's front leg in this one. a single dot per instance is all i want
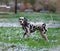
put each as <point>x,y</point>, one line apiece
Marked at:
<point>24,34</point>
<point>28,32</point>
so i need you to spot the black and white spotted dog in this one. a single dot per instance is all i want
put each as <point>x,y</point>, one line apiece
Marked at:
<point>31,27</point>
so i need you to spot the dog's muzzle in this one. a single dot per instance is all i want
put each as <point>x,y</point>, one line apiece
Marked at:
<point>21,22</point>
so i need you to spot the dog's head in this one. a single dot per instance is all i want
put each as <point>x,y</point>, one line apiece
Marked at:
<point>22,20</point>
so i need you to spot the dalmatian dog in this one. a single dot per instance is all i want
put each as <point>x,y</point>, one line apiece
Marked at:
<point>30,27</point>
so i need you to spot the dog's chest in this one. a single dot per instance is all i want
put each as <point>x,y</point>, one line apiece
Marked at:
<point>31,28</point>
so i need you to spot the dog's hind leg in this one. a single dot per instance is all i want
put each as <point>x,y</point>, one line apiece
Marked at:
<point>44,35</point>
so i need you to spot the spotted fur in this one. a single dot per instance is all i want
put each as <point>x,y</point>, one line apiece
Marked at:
<point>32,27</point>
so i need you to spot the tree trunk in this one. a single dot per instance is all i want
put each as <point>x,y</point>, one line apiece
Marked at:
<point>15,6</point>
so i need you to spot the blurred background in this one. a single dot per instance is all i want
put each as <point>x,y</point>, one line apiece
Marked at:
<point>11,33</point>
<point>44,6</point>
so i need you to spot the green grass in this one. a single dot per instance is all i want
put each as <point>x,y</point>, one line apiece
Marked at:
<point>14,34</point>
<point>35,17</point>
<point>35,39</point>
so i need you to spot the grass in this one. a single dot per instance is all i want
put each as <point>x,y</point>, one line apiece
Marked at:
<point>14,34</point>
<point>35,39</point>
<point>37,17</point>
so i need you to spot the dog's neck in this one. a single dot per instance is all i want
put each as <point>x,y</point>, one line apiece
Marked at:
<point>25,25</point>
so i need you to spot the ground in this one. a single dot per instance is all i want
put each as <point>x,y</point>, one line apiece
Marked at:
<point>11,36</point>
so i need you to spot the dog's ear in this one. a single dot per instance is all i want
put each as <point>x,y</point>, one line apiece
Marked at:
<point>25,20</point>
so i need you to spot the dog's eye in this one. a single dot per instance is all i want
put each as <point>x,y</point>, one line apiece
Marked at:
<point>19,19</point>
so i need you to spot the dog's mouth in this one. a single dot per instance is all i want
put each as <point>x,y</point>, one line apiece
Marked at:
<point>21,22</point>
